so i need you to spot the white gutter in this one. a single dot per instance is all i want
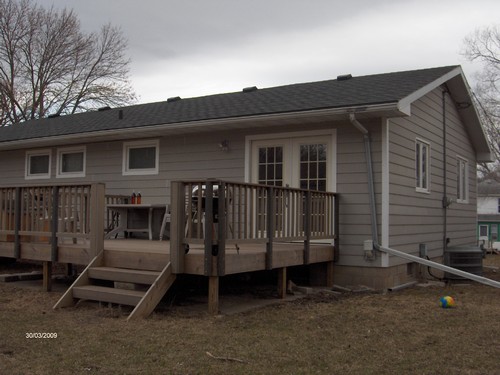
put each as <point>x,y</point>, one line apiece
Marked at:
<point>374,245</point>
<point>191,126</point>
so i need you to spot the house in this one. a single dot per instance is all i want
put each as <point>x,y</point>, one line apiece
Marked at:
<point>488,212</point>
<point>399,150</point>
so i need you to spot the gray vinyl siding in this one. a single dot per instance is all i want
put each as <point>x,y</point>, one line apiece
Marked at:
<point>417,217</point>
<point>352,186</point>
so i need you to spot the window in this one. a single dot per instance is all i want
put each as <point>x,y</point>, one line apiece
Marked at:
<point>422,153</point>
<point>483,231</point>
<point>38,164</point>
<point>71,162</point>
<point>494,232</point>
<point>313,166</point>
<point>271,166</point>
<point>462,178</point>
<point>141,158</point>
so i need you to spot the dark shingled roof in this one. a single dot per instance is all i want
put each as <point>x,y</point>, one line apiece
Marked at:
<point>354,92</point>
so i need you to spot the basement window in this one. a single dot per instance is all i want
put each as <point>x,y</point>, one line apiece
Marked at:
<point>141,158</point>
<point>37,164</point>
<point>422,157</point>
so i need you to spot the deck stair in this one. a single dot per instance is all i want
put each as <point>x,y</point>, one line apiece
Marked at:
<point>112,273</point>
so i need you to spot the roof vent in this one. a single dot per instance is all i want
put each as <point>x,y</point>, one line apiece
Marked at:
<point>344,77</point>
<point>54,115</point>
<point>173,99</point>
<point>103,108</point>
<point>250,89</point>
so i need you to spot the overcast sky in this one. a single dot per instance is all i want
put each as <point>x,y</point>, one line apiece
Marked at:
<point>197,47</point>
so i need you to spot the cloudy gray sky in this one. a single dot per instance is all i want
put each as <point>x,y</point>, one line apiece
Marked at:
<point>197,47</point>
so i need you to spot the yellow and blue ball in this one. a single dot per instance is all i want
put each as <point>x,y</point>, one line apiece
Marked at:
<point>446,302</point>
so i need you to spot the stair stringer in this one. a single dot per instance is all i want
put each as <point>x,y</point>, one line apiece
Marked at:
<point>67,298</point>
<point>154,294</point>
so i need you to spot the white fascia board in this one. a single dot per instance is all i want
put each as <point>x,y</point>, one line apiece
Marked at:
<point>405,103</point>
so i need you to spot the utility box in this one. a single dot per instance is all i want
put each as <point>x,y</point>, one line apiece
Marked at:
<point>468,258</point>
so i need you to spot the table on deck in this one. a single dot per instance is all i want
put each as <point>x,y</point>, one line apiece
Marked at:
<point>126,225</point>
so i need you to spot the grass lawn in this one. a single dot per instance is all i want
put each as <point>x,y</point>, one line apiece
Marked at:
<point>404,332</point>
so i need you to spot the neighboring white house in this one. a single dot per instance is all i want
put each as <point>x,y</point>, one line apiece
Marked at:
<point>488,211</point>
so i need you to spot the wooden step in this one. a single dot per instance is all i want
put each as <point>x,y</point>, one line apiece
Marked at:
<point>123,275</point>
<point>104,294</point>
<point>136,259</point>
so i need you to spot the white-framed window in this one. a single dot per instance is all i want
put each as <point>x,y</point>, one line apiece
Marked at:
<point>71,162</point>
<point>462,180</point>
<point>38,164</point>
<point>483,231</point>
<point>422,165</point>
<point>141,157</point>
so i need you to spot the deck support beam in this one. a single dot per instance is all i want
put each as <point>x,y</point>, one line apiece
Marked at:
<point>213,295</point>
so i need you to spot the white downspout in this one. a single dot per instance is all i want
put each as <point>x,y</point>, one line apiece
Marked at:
<point>373,213</point>
<point>371,187</point>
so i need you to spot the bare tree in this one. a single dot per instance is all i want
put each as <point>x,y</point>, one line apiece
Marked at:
<point>49,66</point>
<point>484,46</point>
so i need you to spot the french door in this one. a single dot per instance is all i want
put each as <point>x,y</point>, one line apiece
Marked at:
<point>299,162</point>
<point>303,162</point>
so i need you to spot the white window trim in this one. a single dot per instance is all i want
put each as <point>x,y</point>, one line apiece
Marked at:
<point>464,160</point>
<point>428,161</point>
<point>71,150</point>
<point>140,144</point>
<point>37,176</point>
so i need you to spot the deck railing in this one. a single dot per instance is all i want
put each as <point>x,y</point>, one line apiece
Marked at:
<point>52,213</point>
<point>220,213</point>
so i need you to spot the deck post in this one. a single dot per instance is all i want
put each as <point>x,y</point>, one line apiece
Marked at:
<point>17,223</point>
<point>271,217</point>
<point>307,227</point>
<point>177,221</point>
<point>209,228</point>
<point>47,276</point>
<point>282,283</point>
<point>54,224</point>
<point>221,229</point>
<point>329,274</point>
<point>213,295</point>
<point>337,229</point>
<point>97,201</point>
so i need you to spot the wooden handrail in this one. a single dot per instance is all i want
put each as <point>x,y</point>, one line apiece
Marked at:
<point>247,213</point>
<point>52,212</point>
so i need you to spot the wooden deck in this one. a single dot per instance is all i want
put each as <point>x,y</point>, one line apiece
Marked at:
<point>153,255</point>
<point>227,227</point>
